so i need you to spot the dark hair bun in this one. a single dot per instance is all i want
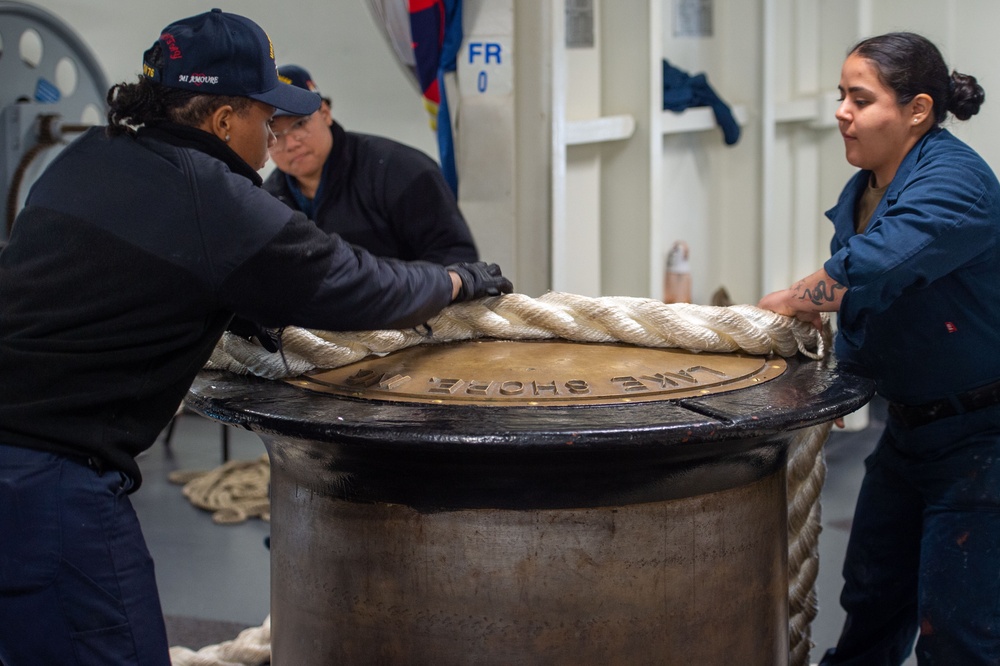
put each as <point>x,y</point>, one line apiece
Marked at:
<point>965,96</point>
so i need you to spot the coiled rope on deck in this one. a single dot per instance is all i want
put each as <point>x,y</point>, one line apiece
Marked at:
<point>251,647</point>
<point>233,492</point>
<point>637,321</point>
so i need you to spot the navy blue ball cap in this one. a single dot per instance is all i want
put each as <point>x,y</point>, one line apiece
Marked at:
<point>300,78</point>
<point>217,53</point>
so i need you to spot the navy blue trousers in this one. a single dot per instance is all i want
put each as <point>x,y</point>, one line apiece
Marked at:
<point>923,560</point>
<point>77,586</point>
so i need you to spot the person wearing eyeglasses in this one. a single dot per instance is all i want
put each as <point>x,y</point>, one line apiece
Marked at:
<point>376,193</point>
<point>135,248</point>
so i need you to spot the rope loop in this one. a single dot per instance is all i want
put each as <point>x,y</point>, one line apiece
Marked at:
<point>639,321</point>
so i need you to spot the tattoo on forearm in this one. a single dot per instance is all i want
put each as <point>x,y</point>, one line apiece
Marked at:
<point>820,294</point>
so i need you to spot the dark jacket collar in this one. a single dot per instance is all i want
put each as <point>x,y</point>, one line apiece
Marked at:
<point>185,136</point>
<point>842,215</point>
<point>339,161</point>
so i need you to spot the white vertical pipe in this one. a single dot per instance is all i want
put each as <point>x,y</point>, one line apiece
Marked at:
<point>560,259</point>
<point>866,17</point>
<point>486,147</point>
<point>582,202</point>
<point>806,217</point>
<point>951,11</point>
<point>773,246</point>
<point>656,211</point>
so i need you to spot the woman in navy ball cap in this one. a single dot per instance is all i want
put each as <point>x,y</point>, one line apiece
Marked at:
<point>134,250</point>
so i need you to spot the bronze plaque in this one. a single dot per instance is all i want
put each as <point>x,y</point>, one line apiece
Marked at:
<point>541,373</point>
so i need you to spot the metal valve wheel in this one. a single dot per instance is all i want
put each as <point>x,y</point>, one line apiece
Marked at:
<point>51,86</point>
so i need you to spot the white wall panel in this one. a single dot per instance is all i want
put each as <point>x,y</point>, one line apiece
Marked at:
<point>628,199</point>
<point>336,40</point>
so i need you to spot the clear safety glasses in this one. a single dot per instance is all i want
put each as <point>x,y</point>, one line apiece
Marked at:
<point>299,130</point>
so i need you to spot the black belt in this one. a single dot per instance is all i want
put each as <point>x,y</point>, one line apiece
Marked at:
<point>913,416</point>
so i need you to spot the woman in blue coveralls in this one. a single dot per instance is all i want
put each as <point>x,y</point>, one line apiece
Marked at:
<point>915,277</point>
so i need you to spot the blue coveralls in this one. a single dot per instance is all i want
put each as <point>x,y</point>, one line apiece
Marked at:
<point>921,314</point>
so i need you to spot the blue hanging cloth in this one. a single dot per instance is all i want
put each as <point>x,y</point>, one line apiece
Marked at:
<point>436,30</point>
<point>682,91</point>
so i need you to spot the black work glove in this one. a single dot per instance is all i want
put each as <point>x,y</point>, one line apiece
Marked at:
<point>269,338</point>
<point>479,280</point>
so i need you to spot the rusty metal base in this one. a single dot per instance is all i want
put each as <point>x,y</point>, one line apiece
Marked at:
<point>696,580</point>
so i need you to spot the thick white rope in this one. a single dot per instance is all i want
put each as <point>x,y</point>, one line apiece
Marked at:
<point>233,492</point>
<point>252,647</point>
<point>642,322</point>
<point>805,474</point>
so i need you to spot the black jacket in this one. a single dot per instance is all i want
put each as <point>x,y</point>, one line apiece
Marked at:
<point>126,265</point>
<point>386,197</point>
